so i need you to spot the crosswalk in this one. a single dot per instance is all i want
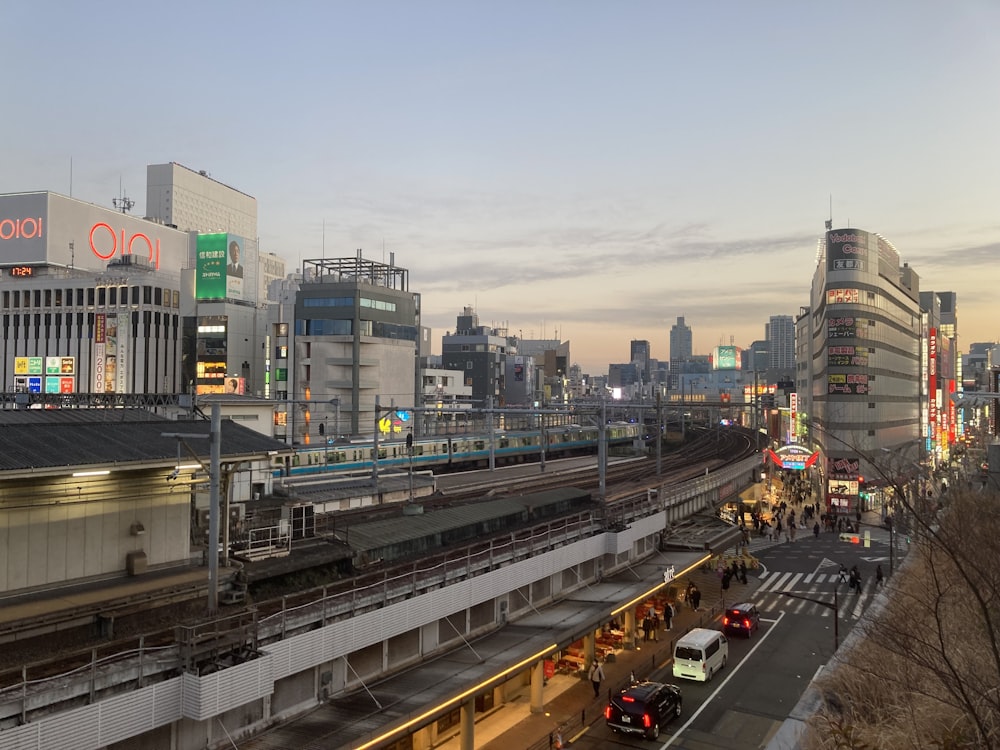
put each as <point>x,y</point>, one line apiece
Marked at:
<point>774,585</point>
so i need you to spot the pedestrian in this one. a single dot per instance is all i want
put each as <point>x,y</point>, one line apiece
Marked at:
<point>843,573</point>
<point>695,597</point>
<point>878,576</point>
<point>557,740</point>
<point>596,676</point>
<point>743,571</point>
<point>668,615</point>
<point>725,580</point>
<point>690,594</point>
<point>647,624</point>
<point>816,529</point>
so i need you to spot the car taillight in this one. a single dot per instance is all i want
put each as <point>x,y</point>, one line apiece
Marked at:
<point>607,712</point>
<point>647,721</point>
<point>725,620</point>
<point>628,699</point>
<point>746,624</point>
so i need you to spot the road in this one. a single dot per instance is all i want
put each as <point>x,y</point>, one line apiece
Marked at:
<point>767,674</point>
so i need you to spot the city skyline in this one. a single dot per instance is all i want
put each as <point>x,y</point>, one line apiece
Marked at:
<point>570,170</point>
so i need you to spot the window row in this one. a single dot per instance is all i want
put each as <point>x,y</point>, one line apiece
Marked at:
<point>102,296</point>
<point>366,302</point>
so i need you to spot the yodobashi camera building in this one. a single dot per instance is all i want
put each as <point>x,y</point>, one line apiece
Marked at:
<point>90,298</point>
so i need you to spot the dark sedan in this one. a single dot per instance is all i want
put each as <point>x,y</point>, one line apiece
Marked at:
<point>741,618</point>
<point>643,708</point>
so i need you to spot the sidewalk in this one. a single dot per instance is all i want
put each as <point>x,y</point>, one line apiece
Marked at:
<point>569,700</point>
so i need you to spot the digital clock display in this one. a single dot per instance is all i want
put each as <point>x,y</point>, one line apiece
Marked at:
<point>22,271</point>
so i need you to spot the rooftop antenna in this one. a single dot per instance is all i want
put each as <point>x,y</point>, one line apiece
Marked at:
<point>122,202</point>
<point>324,239</point>
<point>829,222</point>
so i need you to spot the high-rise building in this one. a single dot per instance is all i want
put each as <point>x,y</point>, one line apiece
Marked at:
<point>640,354</point>
<point>780,337</point>
<point>941,423</point>
<point>192,201</point>
<point>680,344</point>
<point>865,362</point>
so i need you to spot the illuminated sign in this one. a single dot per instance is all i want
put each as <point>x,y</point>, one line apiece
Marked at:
<point>60,365</point>
<point>842,487</point>
<point>847,250</point>
<point>20,271</point>
<point>854,385</point>
<point>846,356</point>
<point>105,244</point>
<point>28,365</point>
<point>21,229</point>
<point>843,297</point>
<point>793,457</point>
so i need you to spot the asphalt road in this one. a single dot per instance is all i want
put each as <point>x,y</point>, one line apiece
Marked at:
<point>767,674</point>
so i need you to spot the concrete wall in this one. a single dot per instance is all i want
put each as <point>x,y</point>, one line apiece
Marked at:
<point>53,539</point>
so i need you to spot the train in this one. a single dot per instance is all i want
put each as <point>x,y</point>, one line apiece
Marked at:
<point>444,453</point>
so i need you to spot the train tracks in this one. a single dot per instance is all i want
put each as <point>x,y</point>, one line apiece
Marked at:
<point>152,622</point>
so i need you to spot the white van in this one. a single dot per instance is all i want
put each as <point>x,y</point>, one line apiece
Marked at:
<point>700,654</point>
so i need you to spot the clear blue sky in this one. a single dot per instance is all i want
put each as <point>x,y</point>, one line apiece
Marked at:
<point>590,170</point>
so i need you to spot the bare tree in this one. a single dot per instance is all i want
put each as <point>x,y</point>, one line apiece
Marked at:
<point>927,671</point>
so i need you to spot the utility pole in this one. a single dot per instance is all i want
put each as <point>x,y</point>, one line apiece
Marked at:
<point>214,471</point>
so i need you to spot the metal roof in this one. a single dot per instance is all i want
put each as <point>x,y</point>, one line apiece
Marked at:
<point>32,439</point>
<point>377,534</point>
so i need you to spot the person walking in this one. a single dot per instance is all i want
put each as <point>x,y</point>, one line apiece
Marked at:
<point>668,615</point>
<point>596,676</point>
<point>879,578</point>
<point>843,573</point>
<point>816,530</point>
<point>695,598</point>
<point>743,571</point>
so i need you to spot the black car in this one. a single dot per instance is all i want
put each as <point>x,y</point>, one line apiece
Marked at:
<point>643,708</point>
<point>741,618</point>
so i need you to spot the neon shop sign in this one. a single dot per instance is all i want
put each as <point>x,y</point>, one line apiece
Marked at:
<point>105,243</point>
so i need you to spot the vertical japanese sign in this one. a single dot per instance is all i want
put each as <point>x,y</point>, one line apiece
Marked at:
<point>100,323</point>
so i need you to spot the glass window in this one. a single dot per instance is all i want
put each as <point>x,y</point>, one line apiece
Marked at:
<point>102,296</point>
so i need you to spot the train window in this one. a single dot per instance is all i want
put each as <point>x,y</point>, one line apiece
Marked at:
<point>478,445</point>
<point>504,443</point>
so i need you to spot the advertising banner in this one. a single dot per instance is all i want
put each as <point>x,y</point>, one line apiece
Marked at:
<point>851,385</point>
<point>842,296</point>
<point>100,322</point>
<point>844,466</point>
<point>847,356</point>
<point>847,250</point>
<point>726,358</point>
<point>110,353</point>
<point>220,266</point>
<point>121,381</point>
<point>846,327</point>
<point>210,266</point>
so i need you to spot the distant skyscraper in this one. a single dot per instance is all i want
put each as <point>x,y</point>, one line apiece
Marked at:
<point>781,343</point>
<point>680,344</point>
<point>639,353</point>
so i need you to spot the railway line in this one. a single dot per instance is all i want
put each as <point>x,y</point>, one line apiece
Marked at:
<point>159,623</point>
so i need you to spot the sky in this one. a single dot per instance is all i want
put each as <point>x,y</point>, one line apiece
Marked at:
<point>588,171</point>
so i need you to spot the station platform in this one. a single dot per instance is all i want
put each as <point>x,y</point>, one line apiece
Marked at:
<point>570,705</point>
